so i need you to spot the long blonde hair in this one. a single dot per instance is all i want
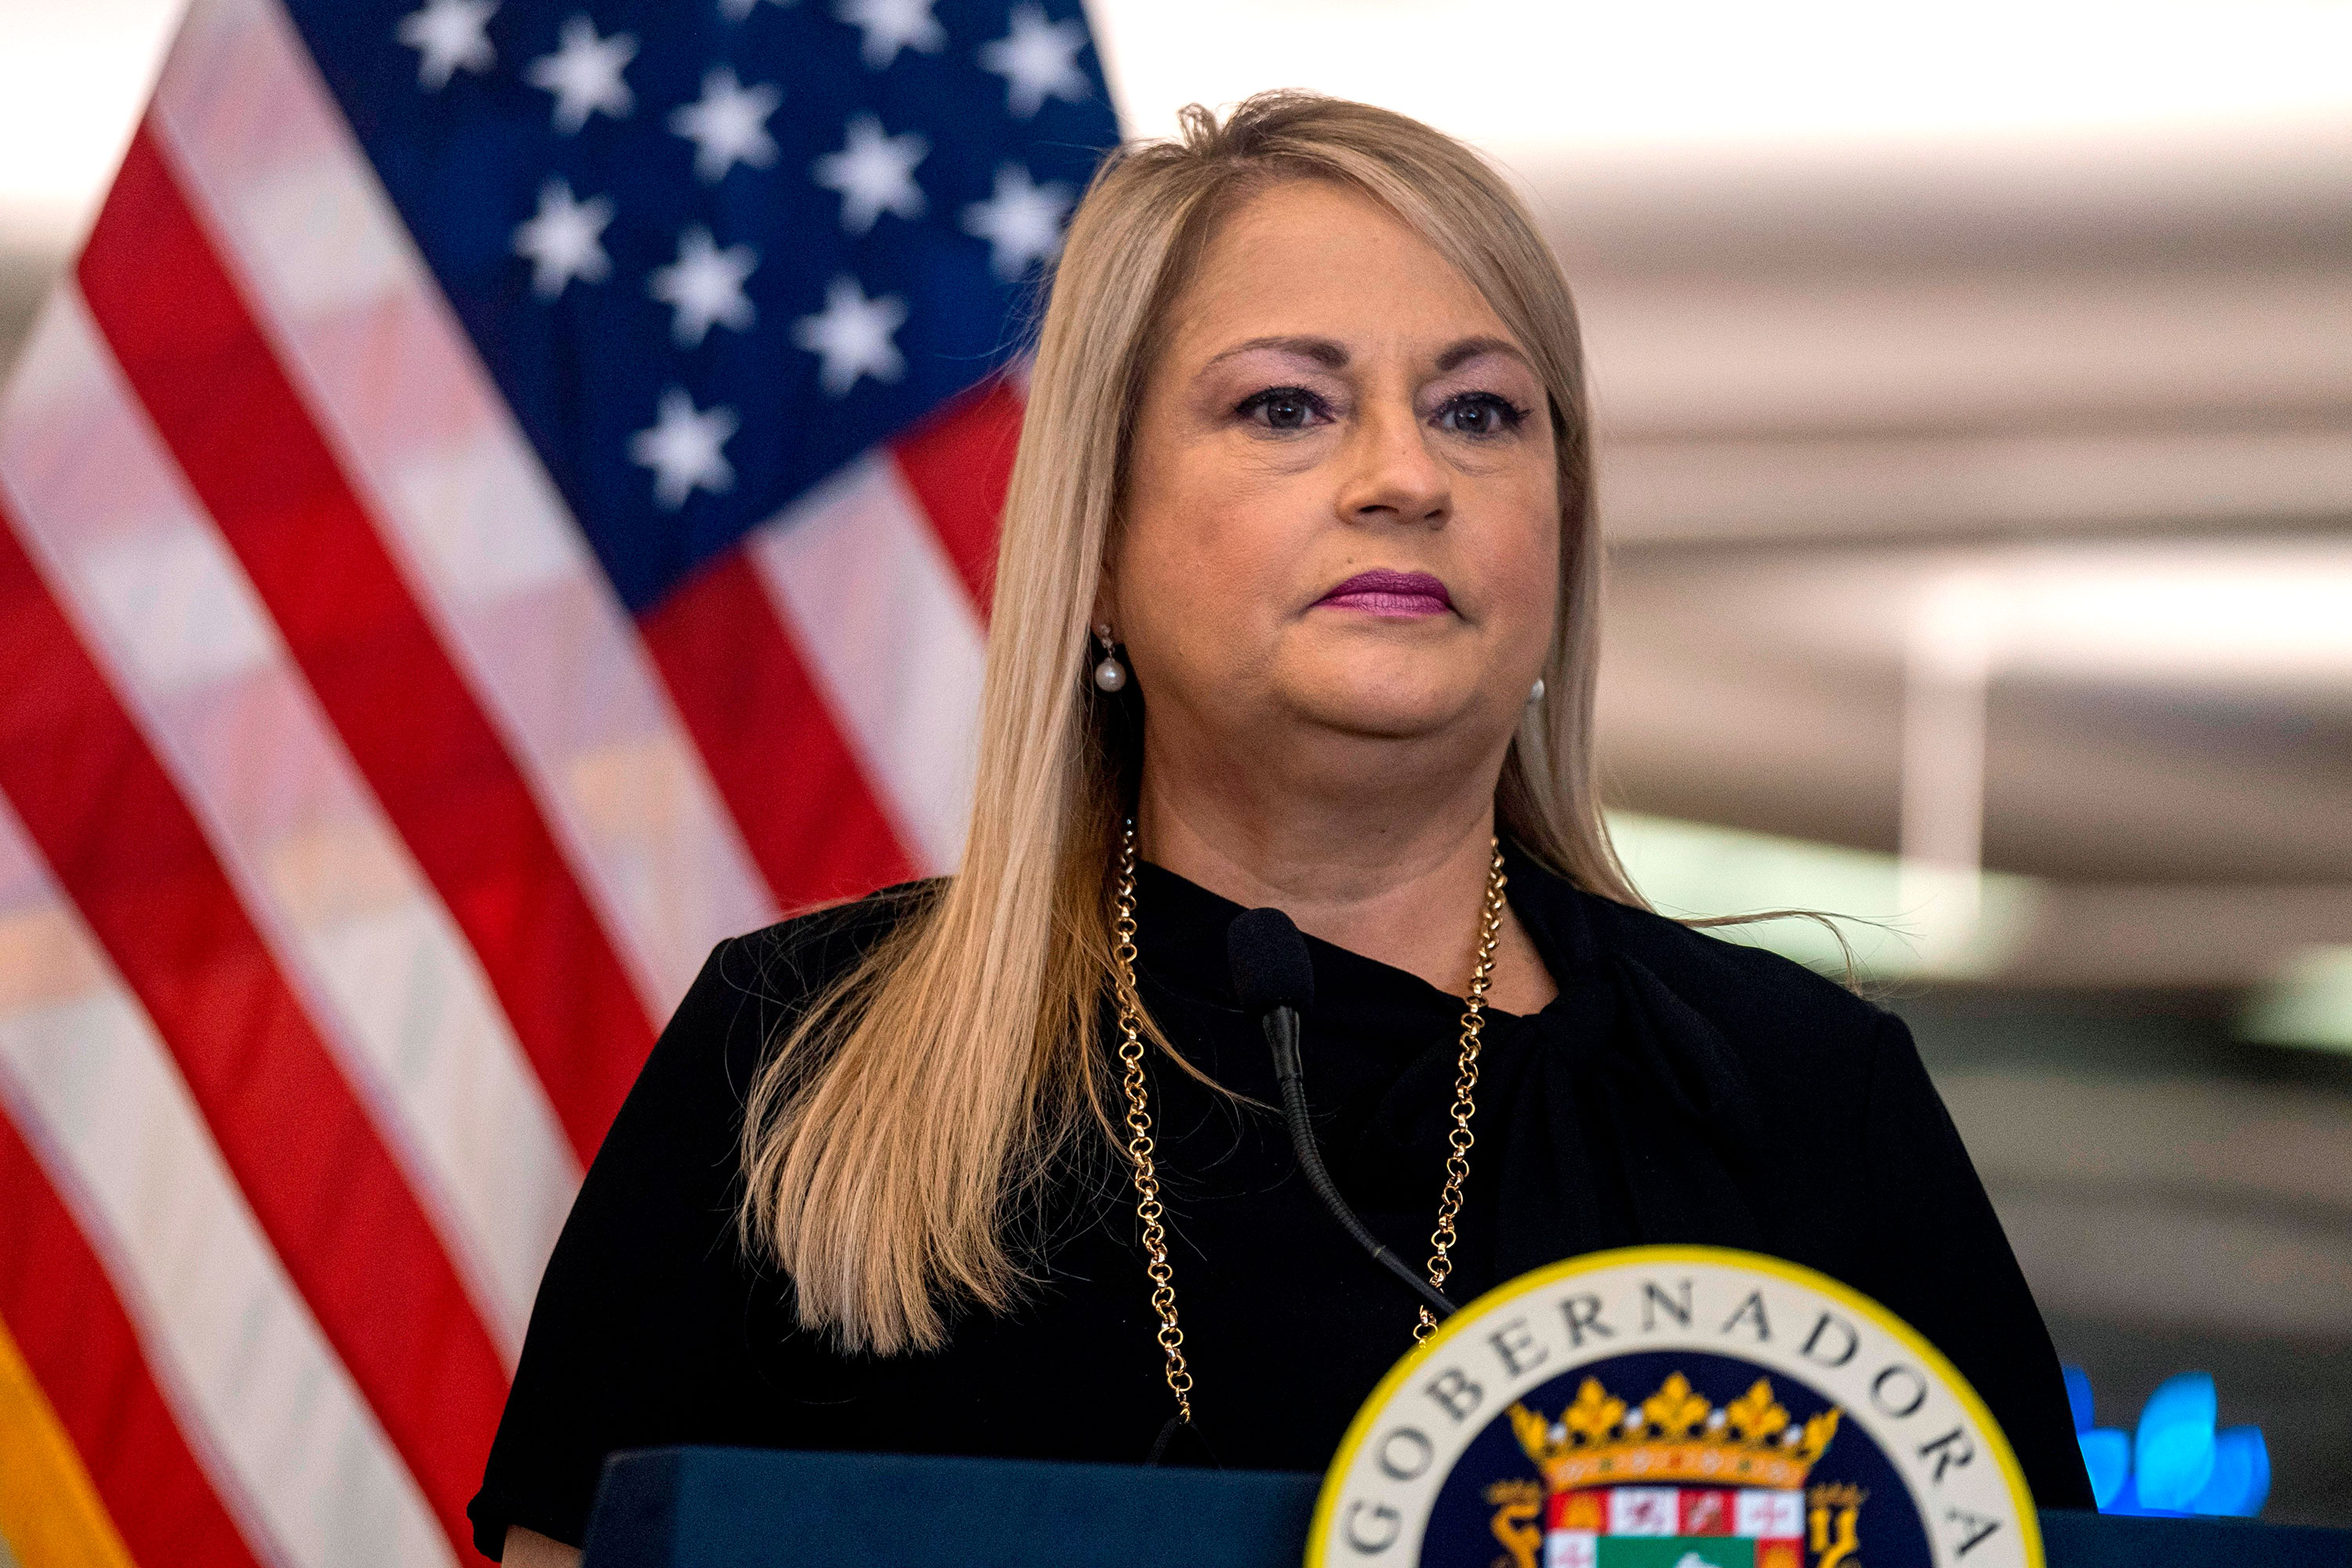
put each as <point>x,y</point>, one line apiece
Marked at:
<point>909,1119</point>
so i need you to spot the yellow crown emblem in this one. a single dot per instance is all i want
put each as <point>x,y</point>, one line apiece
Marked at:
<point>1675,1435</point>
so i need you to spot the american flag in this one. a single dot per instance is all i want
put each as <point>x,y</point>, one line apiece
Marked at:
<point>503,500</point>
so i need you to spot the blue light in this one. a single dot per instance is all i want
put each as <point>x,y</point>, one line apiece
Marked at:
<point>2241,1474</point>
<point>2175,1463</point>
<point>2172,1453</point>
<point>2106,1454</point>
<point>2078,1397</point>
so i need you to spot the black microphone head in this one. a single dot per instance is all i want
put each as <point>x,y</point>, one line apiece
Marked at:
<point>1269,960</point>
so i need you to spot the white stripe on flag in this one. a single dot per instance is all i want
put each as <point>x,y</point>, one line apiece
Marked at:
<point>351,922</point>
<point>491,550</point>
<point>861,583</point>
<point>269,1413</point>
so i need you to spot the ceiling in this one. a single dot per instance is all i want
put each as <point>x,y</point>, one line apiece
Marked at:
<point>2047,305</point>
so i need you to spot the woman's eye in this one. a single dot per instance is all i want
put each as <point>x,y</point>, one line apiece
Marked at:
<point>1479,414</point>
<point>1282,408</point>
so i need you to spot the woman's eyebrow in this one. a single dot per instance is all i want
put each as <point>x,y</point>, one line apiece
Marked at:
<point>1322,351</point>
<point>1468,349</point>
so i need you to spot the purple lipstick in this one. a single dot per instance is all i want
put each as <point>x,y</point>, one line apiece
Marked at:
<point>1382,591</point>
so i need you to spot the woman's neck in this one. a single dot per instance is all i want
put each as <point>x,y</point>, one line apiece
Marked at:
<point>1402,881</point>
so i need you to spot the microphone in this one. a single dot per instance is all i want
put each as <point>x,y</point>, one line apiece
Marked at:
<point>1275,978</point>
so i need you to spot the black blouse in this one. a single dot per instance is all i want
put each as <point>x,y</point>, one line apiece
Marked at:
<point>1681,1088</point>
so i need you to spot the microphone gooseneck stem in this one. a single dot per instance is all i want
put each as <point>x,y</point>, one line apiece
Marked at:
<point>1289,1075</point>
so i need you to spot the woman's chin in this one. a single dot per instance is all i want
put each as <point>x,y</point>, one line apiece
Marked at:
<point>1401,710</point>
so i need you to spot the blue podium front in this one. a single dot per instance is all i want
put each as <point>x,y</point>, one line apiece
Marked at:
<point>742,1508</point>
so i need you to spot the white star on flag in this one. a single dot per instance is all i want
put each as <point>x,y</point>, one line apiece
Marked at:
<point>449,36</point>
<point>682,448</point>
<point>852,336</point>
<point>740,10</point>
<point>728,124</point>
<point>874,173</point>
<point>704,286</point>
<point>1022,222</point>
<point>585,75</point>
<point>564,240</point>
<point>891,26</point>
<point>1038,59</point>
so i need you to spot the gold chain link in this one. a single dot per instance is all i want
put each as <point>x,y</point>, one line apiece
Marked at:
<point>1465,1090</point>
<point>1148,1209</point>
<point>1138,1132</point>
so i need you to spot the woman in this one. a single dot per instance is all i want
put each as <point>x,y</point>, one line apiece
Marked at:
<point>1295,607</point>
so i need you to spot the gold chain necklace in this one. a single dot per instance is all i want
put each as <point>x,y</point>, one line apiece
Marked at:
<point>1139,1146</point>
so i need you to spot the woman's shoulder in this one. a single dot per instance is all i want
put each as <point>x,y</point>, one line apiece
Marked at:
<point>793,960</point>
<point>753,986</point>
<point>1750,993</point>
<point>1807,1047</point>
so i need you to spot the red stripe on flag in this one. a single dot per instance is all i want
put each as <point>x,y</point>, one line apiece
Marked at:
<point>958,463</point>
<point>124,847</point>
<point>196,357</point>
<point>79,1342</point>
<point>772,747</point>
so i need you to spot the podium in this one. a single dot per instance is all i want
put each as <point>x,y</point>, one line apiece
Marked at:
<point>746,1508</point>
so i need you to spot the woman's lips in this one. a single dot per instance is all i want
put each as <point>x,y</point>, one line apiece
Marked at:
<point>1384,592</point>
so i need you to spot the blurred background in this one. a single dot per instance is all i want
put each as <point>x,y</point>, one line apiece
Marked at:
<point>1976,391</point>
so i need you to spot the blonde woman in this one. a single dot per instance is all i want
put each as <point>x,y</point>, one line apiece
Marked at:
<point>1294,606</point>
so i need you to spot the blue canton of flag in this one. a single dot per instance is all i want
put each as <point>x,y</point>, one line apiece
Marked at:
<point>712,252</point>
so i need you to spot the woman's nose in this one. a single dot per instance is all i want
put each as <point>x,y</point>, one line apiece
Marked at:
<point>1392,475</point>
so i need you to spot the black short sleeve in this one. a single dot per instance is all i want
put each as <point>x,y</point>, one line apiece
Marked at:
<point>1947,1269</point>
<point>650,1313</point>
<point>630,1308</point>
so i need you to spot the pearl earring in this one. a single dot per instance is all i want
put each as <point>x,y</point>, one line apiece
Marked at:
<point>1109,675</point>
<point>1535,694</point>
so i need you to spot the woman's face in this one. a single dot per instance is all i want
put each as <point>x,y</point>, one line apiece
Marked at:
<point>1342,512</point>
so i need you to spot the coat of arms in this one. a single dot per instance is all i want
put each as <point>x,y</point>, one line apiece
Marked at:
<point>1673,1481</point>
